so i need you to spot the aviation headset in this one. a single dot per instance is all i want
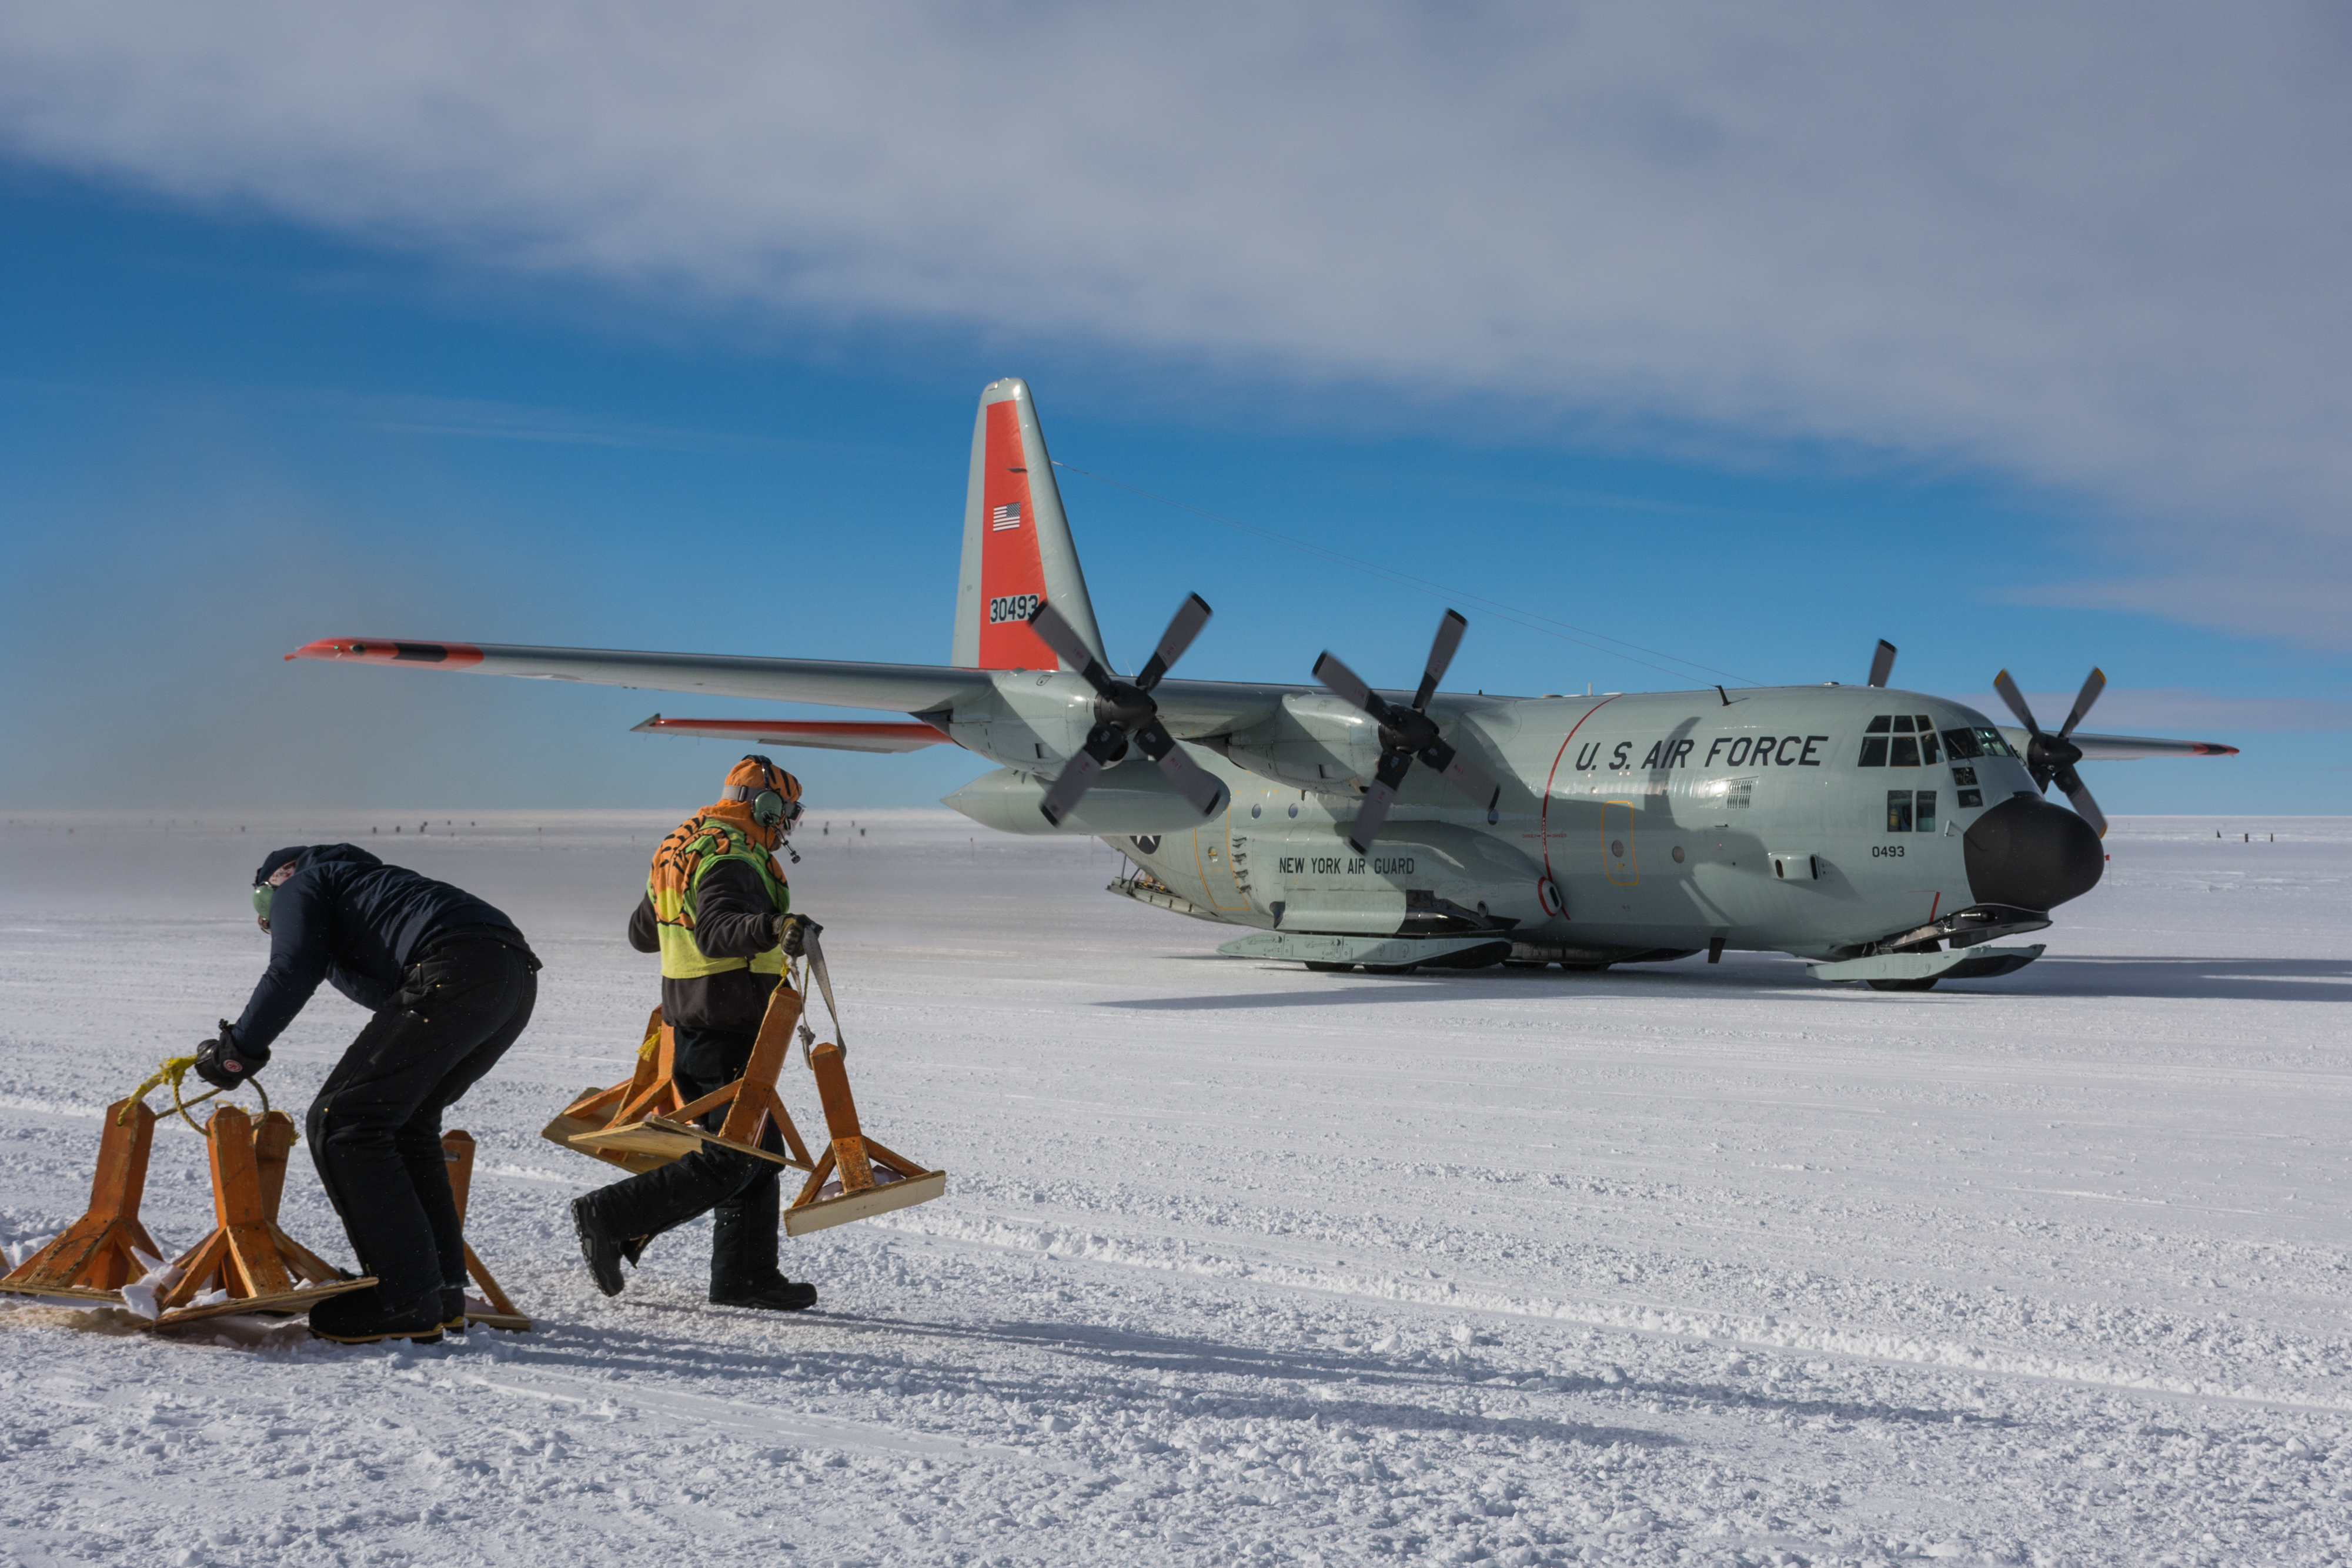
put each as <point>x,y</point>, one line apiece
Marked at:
<point>774,797</point>
<point>265,889</point>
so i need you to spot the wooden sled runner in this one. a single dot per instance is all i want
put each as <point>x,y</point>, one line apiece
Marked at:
<point>247,1254</point>
<point>93,1258</point>
<point>491,1308</point>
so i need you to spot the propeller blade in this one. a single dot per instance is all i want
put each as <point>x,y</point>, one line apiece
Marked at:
<point>1192,780</point>
<point>1069,647</point>
<point>1077,776</point>
<point>1882,663</point>
<point>2090,693</point>
<point>1191,616</point>
<point>1441,655</point>
<point>2088,809</point>
<point>1370,816</point>
<point>2016,701</point>
<point>1342,683</point>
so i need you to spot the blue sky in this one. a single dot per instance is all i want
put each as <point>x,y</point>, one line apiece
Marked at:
<point>237,413</point>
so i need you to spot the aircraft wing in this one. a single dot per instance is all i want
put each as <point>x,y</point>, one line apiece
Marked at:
<point>1190,708</point>
<point>825,735</point>
<point>903,688</point>
<point>2126,747</point>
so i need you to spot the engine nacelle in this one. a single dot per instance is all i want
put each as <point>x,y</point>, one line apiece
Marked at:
<point>1313,741</point>
<point>1131,799</point>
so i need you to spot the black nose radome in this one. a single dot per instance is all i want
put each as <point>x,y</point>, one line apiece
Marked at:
<point>2031,854</point>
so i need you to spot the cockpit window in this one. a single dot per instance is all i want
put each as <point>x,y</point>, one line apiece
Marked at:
<point>1899,740</point>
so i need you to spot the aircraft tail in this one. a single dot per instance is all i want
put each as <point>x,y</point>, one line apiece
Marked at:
<point>1016,542</point>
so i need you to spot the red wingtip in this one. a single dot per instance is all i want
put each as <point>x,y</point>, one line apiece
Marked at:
<point>2209,749</point>
<point>388,651</point>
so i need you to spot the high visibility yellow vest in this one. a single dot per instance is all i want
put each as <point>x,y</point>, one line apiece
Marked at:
<point>715,833</point>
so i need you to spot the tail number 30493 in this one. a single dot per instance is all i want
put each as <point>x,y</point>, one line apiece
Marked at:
<point>1012,607</point>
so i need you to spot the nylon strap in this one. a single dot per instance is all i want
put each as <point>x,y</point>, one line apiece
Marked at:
<point>824,986</point>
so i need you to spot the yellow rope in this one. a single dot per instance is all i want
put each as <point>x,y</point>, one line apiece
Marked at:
<point>175,1072</point>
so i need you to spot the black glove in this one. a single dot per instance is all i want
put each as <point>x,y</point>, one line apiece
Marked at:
<point>221,1064</point>
<point>794,931</point>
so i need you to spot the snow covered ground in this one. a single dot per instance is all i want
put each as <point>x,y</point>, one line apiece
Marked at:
<point>1240,1263</point>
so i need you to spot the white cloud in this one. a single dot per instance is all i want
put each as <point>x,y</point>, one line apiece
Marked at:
<point>2100,248</point>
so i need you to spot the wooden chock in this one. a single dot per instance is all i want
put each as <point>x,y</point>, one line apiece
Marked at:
<point>857,1177</point>
<point>93,1256</point>
<point>752,1103</point>
<point>648,1091</point>
<point>491,1308</point>
<point>248,1255</point>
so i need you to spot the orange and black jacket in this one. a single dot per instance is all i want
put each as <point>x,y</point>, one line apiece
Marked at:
<point>734,918</point>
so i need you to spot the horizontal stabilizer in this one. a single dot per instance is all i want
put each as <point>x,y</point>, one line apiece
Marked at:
<point>825,734</point>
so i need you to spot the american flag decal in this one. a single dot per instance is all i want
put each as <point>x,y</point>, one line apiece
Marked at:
<point>1007,515</point>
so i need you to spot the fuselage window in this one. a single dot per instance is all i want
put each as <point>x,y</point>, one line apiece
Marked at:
<point>1910,810</point>
<point>1990,742</point>
<point>1873,743</point>
<point>1899,740</point>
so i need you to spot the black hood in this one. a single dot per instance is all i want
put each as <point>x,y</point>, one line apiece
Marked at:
<point>305,856</point>
<point>2030,854</point>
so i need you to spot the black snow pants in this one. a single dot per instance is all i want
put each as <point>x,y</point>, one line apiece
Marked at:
<point>738,1190</point>
<point>375,1127</point>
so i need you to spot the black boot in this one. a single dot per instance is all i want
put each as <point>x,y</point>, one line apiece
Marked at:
<point>775,1295</point>
<point>362,1317</point>
<point>616,1222</point>
<point>599,1247</point>
<point>744,1270</point>
<point>453,1308</point>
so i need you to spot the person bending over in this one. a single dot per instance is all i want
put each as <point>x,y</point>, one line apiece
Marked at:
<point>451,983</point>
<point>718,909</point>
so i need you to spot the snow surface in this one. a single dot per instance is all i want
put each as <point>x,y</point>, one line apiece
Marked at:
<point>1241,1263</point>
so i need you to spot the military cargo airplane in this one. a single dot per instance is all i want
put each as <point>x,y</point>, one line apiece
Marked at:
<point>1889,837</point>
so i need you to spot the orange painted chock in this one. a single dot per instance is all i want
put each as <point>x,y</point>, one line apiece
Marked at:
<point>248,1259</point>
<point>491,1308</point>
<point>94,1257</point>
<point>648,1091</point>
<point>854,1178</point>
<point>868,1179</point>
<point>751,1102</point>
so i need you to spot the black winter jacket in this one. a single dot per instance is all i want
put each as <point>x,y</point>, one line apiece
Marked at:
<point>347,918</point>
<point>733,918</point>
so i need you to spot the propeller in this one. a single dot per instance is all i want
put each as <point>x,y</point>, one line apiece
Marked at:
<point>1124,711</point>
<point>2049,757</point>
<point>1882,663</point>
<point>1406,732</point>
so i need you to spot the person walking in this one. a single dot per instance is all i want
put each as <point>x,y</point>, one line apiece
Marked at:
<point>718,909</point>
<point>451,983</point>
